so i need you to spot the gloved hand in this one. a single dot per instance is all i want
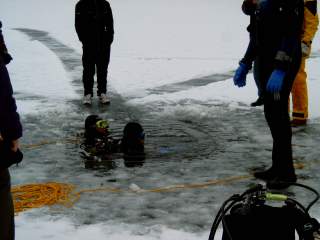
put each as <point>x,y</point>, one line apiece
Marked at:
<point>239,78</point>
<point>9,154</point>
<point>275,81</point>
<point>305,49</point>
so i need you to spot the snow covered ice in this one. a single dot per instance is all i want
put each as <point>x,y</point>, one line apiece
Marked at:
<point>171,68</point>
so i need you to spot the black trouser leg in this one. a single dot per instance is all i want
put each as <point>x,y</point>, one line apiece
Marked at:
<point>102,69</point>
<point>276,113</point>
<point>88,63</point>
<point>6,207</point>
<point>277,116</point>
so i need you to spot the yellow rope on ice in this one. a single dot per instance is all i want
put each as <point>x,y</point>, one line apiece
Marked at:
<point>39,195</point>
<point>47,194</point>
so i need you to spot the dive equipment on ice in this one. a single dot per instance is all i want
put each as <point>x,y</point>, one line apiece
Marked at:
<point>247,216</point>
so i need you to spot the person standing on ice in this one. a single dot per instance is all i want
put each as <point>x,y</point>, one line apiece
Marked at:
<point>299,90</point>
<point>249,8</point>
<point>94,27</point>
<point>10,132</point>
<point>276,45</point>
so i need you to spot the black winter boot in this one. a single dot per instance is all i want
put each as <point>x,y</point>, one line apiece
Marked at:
<point>258,102</point>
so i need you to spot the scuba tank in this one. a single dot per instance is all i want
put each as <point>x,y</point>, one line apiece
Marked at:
<point>247,216</point>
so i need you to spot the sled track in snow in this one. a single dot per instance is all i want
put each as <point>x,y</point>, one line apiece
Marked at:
<point>72,60</point>
<point>194,82</point>
<point>68,56</point>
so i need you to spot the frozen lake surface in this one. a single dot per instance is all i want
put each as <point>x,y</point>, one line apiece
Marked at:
<point>182,148</point>
<point>171,69</point>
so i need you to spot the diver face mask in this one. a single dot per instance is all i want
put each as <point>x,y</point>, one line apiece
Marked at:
<point>102,126</point>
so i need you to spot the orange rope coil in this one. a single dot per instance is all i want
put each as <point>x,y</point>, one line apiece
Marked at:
<point>30,196</point>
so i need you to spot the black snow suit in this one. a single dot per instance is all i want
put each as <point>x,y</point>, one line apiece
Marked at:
<point>94,26</point>
<point>275,43</point>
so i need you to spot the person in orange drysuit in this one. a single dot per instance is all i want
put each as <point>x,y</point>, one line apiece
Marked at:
<point>299,92</point>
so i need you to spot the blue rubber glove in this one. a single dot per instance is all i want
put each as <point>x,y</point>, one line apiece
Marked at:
<point>239,78</point>
<point>275,81</point>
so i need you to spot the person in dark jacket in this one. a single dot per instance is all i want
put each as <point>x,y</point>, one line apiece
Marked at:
<point>10,131</point>
<point>249,8</point>
<point>94,26</point>
<point>276,45</point>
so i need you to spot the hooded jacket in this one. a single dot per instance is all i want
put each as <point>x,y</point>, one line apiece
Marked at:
<point>10,126</point>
